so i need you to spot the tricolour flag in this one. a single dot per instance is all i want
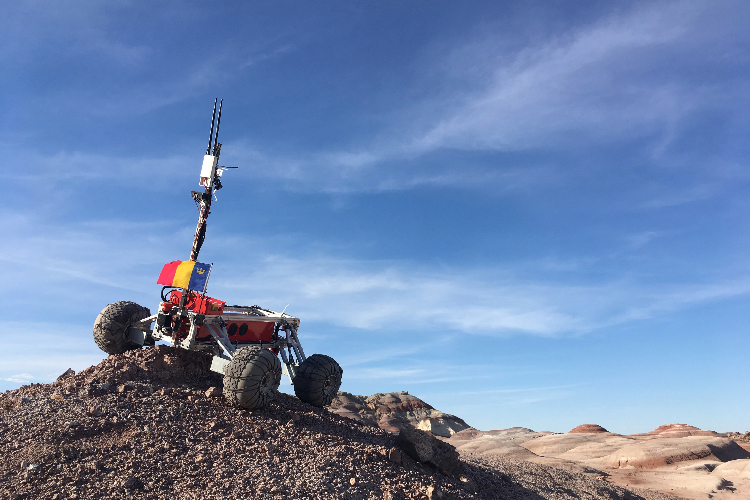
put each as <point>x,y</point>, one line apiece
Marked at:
<point>185,274</point>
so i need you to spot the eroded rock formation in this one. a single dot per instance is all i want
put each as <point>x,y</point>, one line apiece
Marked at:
<point>392,411</point>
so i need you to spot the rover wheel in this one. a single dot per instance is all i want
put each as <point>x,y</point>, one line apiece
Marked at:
<point>252,378</point>
<point>318,380</point>
<point>112,326</point>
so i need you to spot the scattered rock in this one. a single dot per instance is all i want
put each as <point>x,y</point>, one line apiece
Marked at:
<point>152,442</point>
<point>133,483</point>
<point>213,392</point>
<point>468,484</point>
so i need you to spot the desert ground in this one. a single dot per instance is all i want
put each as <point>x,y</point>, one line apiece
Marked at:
<point>153,423</point>
<point>676,459</point>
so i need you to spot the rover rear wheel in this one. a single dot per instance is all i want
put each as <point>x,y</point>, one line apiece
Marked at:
<point>112,326</point>
<point>252,378</point>
<point>318,380</point>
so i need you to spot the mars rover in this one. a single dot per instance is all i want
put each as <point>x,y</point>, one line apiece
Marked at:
<point>245,341</point>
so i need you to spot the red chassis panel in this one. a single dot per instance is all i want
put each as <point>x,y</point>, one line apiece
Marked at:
<point>238,330</point>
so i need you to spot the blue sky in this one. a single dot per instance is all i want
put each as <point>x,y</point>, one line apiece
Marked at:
<point>526,213</point>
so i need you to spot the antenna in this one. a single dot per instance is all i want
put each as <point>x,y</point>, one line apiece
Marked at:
<point>218,122</point>
<point>211,134</point>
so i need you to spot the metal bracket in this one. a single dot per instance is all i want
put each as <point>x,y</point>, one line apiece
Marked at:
<point>290,367</point>
<point>221,336</point>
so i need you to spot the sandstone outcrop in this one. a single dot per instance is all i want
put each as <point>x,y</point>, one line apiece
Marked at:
<point>680,430</point>
<point>675,458</point>
<point>392,411</point>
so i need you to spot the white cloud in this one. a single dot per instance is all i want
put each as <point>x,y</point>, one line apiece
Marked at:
<point>570,86</point>
<point>20,378</point>
<point>489,301</point>
<point>66,166</point>
<point>504,299</point>
<point>39,352</point>
<point>598,85</point>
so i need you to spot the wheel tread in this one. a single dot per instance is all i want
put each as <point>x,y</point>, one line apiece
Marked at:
<point>111,326</point>
<point>309,384</point>
<point>244,375</point>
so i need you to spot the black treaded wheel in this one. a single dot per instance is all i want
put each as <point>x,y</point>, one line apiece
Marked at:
<point>318,380</point>
<point>252,378</point>
<point>113,323</point>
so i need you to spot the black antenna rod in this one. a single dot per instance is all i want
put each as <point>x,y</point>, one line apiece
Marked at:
<point>211,135</point>
<point>218,122</point>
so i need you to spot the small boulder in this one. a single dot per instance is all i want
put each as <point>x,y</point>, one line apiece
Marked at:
<point>213,392</point>
<point>427,449</point>
<point>133,483</point>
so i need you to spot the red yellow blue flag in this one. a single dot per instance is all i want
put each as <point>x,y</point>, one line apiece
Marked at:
<point>185,274</point>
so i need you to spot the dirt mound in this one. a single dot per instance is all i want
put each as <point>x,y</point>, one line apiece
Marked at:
<point>160,365</point>
<point>148,424</point>
<point>587,429</point>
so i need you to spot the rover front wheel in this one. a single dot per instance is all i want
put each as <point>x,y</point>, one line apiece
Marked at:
<point>318,380</point>
<point>252,378</point>
<point>112,326</point>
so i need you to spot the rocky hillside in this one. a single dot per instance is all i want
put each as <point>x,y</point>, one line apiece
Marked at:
<point>153,424</point>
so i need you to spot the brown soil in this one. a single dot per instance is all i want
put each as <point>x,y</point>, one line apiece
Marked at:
<point>140,425</point>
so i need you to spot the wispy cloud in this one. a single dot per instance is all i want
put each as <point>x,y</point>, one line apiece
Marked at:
<point>573,85</point>
<point>597,85</point>
<point>20,378</point>
<point>500,300</point>
<point>478,301</point>
<point>65,166</point>
<point>41,351</point>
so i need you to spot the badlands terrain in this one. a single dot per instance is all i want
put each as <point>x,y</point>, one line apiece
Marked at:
<point>153,424</point>
<point>678,459</point>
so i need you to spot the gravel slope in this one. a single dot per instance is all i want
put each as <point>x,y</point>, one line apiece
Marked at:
<point>140,425</point>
